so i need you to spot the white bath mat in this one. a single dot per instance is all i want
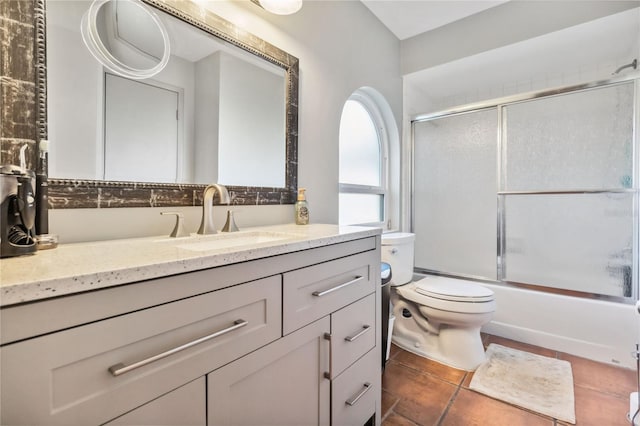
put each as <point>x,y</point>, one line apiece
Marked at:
<point>538,383</point>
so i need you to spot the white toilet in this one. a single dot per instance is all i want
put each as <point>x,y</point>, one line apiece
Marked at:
<point>435,317</point>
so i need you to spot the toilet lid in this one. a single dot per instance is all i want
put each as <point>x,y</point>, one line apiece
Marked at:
<point>453,289</point>
<point>395,238</point>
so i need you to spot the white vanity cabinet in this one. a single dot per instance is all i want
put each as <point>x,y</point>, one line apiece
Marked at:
<point>329,327</point>
<point>279,340</point>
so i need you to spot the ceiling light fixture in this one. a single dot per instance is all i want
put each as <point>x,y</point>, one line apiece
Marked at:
<point>281,7</point>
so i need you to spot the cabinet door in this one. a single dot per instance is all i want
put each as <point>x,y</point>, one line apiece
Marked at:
<point>185,406</point>
<point>280,384</point>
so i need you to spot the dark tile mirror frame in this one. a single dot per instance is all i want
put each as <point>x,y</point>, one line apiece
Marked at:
<point>72,193</point>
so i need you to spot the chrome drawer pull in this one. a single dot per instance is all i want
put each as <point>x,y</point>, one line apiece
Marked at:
<point>338,287</point>
<point>355,399</point>
<point>120,368</point>
<point>329,374</point>
<point>365,328</point>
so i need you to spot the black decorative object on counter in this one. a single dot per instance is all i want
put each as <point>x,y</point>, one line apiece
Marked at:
<point>17,211</point>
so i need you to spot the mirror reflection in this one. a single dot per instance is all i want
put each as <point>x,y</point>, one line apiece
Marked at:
<point>126,37</point>
<point>215,113</point>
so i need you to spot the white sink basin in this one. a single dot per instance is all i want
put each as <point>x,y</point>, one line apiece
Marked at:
<point>230,240</point>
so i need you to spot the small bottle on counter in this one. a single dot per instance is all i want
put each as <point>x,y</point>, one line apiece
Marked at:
<point>302,208</point>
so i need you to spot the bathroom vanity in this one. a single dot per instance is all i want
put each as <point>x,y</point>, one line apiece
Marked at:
<point>275,325</point>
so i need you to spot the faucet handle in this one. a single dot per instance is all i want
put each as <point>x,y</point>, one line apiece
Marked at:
<point>230,225</point>
<point>178,230</point>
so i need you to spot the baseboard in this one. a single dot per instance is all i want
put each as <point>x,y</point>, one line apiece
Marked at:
<point>581,348</point>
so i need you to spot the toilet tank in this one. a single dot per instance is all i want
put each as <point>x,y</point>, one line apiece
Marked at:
<point>397,251</point>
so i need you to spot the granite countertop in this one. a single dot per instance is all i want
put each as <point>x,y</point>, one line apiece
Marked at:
<point>74,268</point>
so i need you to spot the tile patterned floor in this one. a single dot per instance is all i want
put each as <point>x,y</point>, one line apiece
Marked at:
<point>420,392</point>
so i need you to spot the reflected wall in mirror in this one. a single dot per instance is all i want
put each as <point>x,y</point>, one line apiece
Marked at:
<point>224,109</point>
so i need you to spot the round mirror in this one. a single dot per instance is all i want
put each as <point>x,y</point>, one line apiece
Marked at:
<point>126,37</point>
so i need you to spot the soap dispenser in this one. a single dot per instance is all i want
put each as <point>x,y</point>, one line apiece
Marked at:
<point>302,208</point>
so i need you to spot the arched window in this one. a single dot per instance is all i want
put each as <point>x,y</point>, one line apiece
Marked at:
<point>363,163</point>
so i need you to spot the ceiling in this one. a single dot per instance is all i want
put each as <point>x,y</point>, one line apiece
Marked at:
<point>407,18</point>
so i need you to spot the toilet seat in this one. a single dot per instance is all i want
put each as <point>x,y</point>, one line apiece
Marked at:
<point>449,294</point>
<point>453,290</point>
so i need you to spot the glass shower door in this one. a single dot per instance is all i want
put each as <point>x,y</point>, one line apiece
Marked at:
<point>538,191</point>
<point>454,194</point>
<point>567,190</point>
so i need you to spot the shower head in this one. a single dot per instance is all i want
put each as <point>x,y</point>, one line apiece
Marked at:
<point>633,64</point>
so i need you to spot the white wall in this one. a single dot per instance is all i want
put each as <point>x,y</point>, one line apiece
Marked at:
<point>574,54</point>
<point>341,47</point>
<point>73,225</point>
<point>501,26</point>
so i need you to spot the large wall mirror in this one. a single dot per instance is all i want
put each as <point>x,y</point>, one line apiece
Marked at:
<point>223,109</point>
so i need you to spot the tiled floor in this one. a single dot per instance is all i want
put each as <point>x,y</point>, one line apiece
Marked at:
<point>418,391</point>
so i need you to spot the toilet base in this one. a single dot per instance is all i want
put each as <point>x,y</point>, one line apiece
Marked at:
<point>459,348</point>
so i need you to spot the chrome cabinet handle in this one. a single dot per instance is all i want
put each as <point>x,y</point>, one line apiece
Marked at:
<point>352,401</point>
<point>338,287</point>
<point>328,374</point>
<point>365,328</point>
<point>120,368</point>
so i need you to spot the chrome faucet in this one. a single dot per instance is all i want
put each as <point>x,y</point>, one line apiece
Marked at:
<point>206,225</point>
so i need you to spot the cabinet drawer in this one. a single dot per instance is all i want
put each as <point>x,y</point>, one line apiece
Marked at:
<point>68,377</point>
<point>352,333</point>
<point>355,391</point>
<point>313,292</point>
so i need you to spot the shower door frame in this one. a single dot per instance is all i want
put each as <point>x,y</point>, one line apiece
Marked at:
<point>499,104</point>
